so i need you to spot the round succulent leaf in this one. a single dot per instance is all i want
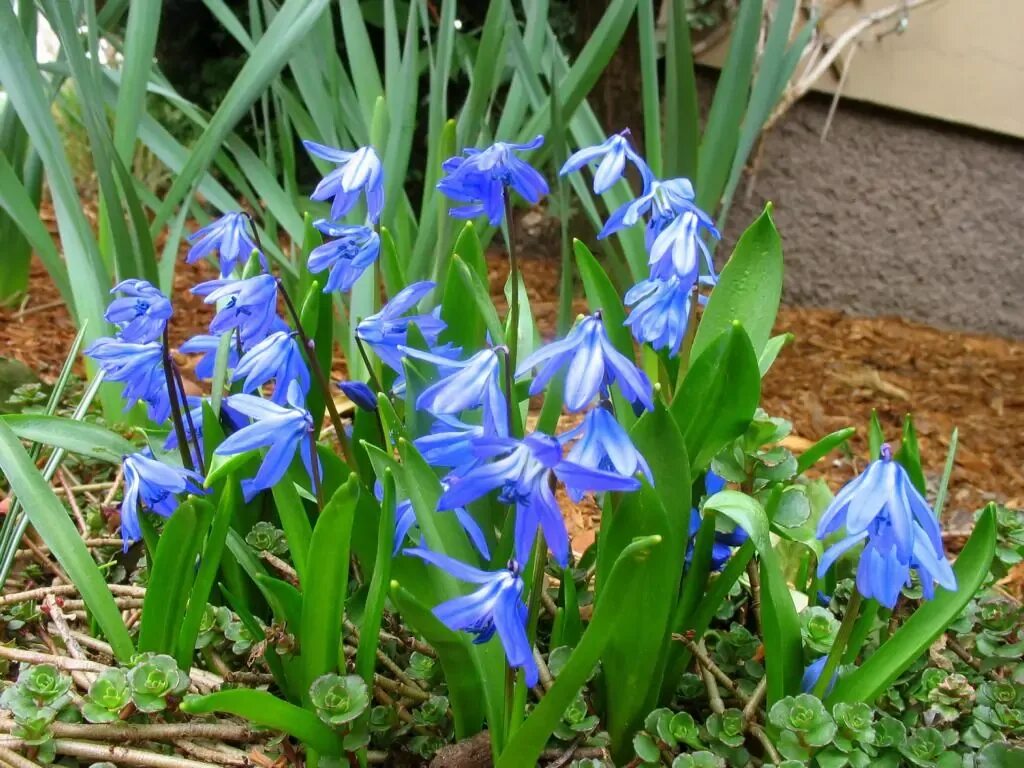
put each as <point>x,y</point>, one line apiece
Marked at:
<point>338,699</point>
<point>701,759</point>
<point>646,748</point>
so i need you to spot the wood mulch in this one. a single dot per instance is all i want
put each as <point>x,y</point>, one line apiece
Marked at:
<point>835,372</point>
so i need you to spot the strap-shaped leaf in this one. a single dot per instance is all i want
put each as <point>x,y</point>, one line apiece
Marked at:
<point>81,437</point>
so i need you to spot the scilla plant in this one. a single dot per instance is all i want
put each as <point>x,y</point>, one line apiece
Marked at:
<point>439,500</point>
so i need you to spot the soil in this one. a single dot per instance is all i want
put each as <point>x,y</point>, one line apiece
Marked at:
<point>837,370</point>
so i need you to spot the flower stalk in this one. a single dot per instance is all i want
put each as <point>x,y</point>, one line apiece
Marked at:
<point>840,644</point>
<point>176,409</point>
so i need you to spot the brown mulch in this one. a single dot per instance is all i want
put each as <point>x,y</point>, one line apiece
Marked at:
<point>838,368</point>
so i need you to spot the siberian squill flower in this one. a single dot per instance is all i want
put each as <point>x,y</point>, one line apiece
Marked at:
<point>357,171</point>
<point>812,673</point>
<point>277,357</point>
<point>251,306</point>
<point>388,329</point>
<point>592,363</point>
<point>661,311</point>
<point>405,520</point>
<point>230,421</point>
<point>602,443</point>
<point>480,177</point>
<point>140,367</point>
<point>141,314</point>
<point>497,606</point>
<point>471,383</point>
<point>280,428</point>
<point>360,394</point>
<point>613,153</point>
<point>154,485</point>
<point>450,443</point>
<point>724,541</point>
<point>352,251</point>
<point>882,508</point>
<point>229,236</point>
<point>207,344</point>
<point>524,471</point>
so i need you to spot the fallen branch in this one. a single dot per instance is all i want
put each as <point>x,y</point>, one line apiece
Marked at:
<point>146,732</point>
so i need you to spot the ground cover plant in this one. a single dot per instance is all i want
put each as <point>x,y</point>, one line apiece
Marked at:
<point>422,534</point>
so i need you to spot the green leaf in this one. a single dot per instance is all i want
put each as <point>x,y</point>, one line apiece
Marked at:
<point>53,524</point>
<point>81,437</point>
<point>173,573</point>
<point>262,708</point>
<point>822,448</point>
<point>479,298</point>
<point>326,588</point>
<point>526,745</point>
<point>380,581</point>
<point>209,565</point>
<point>718,396</point>
<point>465,327</point>
<point>291,511</point>
<point>947,472</point>
<point>749,288</point>
<point>602,297</point>
<point>931,618</point>
<point>771,351</point>
<point>682,111</point>
<point>284,598</point>
<point>909,455</point>
<point>875,436</point>
<point>782,640</point>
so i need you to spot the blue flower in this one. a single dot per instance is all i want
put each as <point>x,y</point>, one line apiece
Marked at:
<point>663,200</point>
<point>277,357</point>
<point>676,245</point>
<point>481,176</point>
<point>360,394</point>
<point>593,365</point>
<point>347,257</point>
<point>524,471</point>
<point>613,153</point>
<point>140,367</point>
<point>661,311</point>
<point>282,429</point>
<point>230,421</point>
<point>448,351</point>
<point>154,485</point>
<point>882,508</point>
<point>603,444</point>
<point>251,306</point>
<point>358,171</point>
<point>450,443</point>
<point>405,520</point>
<point>721,549</point>
<point>141,314</point>
<point>389,328</point>
<point>229,236</point>
<point>206,344</point>
<point>813,673</point>
<point>496,607</point>
<point>471,383</point>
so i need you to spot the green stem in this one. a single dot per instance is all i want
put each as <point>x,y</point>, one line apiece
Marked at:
<point>840,644</point>
<point>172,394</point>
<point>513,278</point>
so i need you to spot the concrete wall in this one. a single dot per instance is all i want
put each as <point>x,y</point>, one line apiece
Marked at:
<point>895,214</point>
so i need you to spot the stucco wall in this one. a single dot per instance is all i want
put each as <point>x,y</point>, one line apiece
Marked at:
<point>895,215</point>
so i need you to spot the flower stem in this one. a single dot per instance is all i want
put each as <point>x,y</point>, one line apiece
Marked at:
<point>369,367</point>
<point>314,471</point>
<point>841,641</point>
<point>188,419</point>
<point>172,395</point>
<point>512,336</point>
<point>321,379</point>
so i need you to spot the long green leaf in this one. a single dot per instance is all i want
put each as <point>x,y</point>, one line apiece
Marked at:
<point>295,522</point>
<point>81,437</point>
<point>526,745</point>
<point>931,618</point>
<point>380,581</point>
<point>51,520</point>
<point>262,708</point>
<point>173,573</point>
<point>682,111</point>
<point>324,592</point>
<point>139,45</point>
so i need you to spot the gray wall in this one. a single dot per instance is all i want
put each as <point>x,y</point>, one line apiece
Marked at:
<point>895,215</point>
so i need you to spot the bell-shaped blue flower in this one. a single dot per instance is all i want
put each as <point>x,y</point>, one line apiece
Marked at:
<point>277,357</point>
<point>882,508</point>
<point>155,486</point>
<point>388,329</point>
<point>230,421</point>
<point>140,368</point>
<point>207,344</point>
<point>472,383</point>
<point>350,254</point>
<point>480,179</point>
<point>141,314</point>
<point>405,521</point>
<point>662,200</point>
<point>602,443</point>
<point>450,442</point>
<point>661,312</point>
<point>251,306</point>
<point>360,394</point>
<point>813,673</point>
<point>523,470</point>
<point>725,541</point>
<point>357,171</point>
<point>280,428</point>
<point>612,153</point>
<point>497,606</point>
<point>592,363</point>
<point>229,236</point>
<point>676,245</point>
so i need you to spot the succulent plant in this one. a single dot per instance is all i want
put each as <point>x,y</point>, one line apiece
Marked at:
<point>108,695</point>
<point>154,680</point>
<point>339,700</point>
<point>804,724</point>
<point>265,537</point>
<point>819,628</point>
